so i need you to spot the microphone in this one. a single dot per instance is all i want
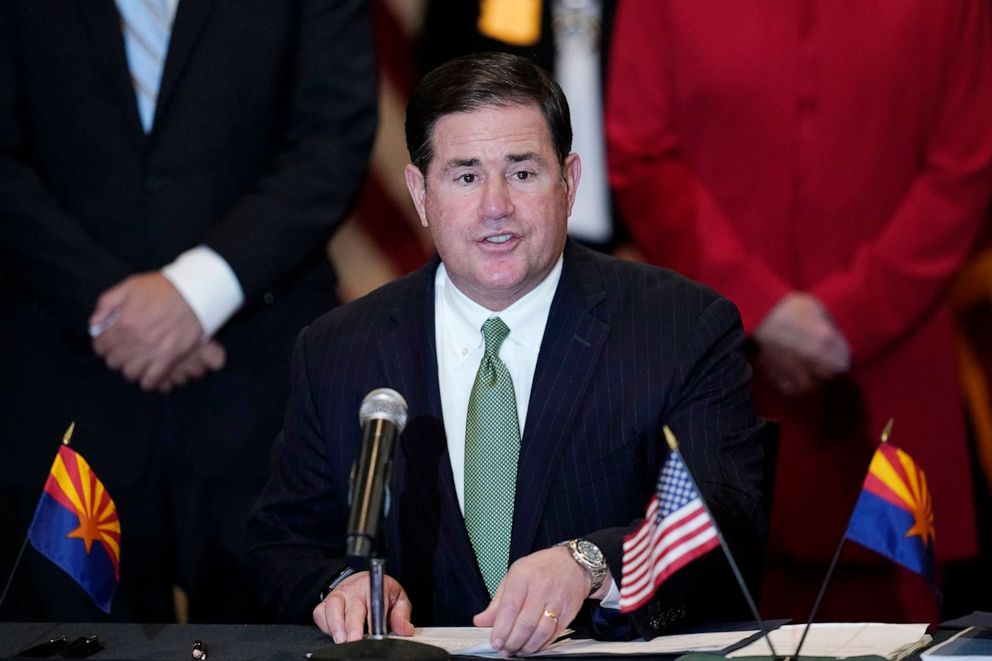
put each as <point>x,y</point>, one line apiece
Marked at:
<point>383,415</point>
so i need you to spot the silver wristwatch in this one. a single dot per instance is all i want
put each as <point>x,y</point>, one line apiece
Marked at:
<point>589,558</point>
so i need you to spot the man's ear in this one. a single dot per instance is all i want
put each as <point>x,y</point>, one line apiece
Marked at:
<point>572,171</point>
<point>416,183</point>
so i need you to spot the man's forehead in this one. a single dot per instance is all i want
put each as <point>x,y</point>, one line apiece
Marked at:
<point>492,127</point>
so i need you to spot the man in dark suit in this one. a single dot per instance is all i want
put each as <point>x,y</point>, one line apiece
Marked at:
<point>170,173</point>
<point>598,356</point>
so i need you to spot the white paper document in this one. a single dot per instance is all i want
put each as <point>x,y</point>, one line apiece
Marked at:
<point>841,640</point>
<point>471,641</point>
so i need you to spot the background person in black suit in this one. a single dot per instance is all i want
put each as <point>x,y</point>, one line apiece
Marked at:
<point>183,219</point>
<point>601,353</point>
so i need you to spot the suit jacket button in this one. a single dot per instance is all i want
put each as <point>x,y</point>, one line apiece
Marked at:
<point>268,298</point>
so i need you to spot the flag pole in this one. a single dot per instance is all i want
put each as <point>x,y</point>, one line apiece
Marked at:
<point>823,589</point>
<point>674,446</point>
<point>10,578</point>
<point>886,432</point>
<point>66,438</point>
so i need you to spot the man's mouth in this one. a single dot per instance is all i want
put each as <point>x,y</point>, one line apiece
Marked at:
<point>499,238</point>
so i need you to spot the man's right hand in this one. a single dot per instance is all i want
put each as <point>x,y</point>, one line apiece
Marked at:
<point>344,613</point>
<point>143,328</point>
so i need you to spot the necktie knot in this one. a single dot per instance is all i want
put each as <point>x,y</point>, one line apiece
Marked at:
<point>494,330</point>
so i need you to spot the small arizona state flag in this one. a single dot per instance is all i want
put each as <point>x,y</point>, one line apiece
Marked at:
<point>75,526</point>
<point>894,514</point>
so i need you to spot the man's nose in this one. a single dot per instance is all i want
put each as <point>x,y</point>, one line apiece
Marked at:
<point>496,202</point>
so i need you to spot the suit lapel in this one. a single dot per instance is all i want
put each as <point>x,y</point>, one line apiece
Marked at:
<point>408,358</point>
<point>186,29</point>
<point>103,23</point>
<point>569,352</point>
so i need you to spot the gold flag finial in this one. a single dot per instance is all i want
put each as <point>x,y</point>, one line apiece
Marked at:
<point>670,437</point>
<point>68,433</point>
<point>887,431</point>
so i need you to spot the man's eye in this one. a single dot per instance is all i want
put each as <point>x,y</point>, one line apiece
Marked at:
<point>523,175</point>
<point>467,178</point>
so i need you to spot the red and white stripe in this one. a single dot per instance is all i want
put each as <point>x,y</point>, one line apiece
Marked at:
<point>656,549</point>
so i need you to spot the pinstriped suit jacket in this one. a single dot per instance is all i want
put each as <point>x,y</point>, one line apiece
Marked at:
<point>627,349</point>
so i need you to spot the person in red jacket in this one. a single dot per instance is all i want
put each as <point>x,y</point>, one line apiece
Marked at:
<point>825,164</point>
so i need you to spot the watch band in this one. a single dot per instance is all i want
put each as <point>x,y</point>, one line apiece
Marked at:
<point>336,581</point>
<point>588,556</point>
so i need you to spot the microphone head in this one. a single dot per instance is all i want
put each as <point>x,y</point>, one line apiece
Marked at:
<point>384,404</point>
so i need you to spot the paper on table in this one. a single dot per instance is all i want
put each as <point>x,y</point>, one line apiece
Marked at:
<point>839,640</point>
<point>467,641</point>
<point>470,641</point>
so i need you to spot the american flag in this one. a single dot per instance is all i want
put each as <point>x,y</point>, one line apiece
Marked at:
<point>677,529</point>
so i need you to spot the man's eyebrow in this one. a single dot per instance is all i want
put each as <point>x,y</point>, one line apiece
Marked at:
<point>456,163</point>
<point>526,156</point>
<point>461,163</point>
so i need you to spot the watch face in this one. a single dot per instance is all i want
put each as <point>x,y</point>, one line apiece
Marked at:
<point>590,551</point>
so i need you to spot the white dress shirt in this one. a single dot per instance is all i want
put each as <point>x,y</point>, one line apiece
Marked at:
<point>460,345</point>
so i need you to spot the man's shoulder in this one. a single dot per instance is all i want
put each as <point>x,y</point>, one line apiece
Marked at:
<point>629,283</point>
<point>376,312</point>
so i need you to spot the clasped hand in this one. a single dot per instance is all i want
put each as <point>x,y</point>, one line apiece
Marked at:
<point>800,346</point>
<point>539,597</point>
<point>144,329</point>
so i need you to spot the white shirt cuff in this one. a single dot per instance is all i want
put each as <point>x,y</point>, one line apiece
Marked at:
<point>209,286</point>
<point>612,598</point>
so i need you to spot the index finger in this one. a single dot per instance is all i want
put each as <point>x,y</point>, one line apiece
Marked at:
<point>508,611</point>
<point>399,615</point>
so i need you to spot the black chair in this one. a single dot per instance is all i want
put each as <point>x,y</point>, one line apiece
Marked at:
<point>769,462</point>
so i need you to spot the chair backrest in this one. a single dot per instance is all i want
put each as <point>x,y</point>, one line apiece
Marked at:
<point>769,447</point>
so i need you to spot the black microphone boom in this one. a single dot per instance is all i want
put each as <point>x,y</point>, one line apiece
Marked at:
<point>382,416</point>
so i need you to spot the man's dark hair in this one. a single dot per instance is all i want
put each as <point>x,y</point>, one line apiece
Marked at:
<point>483,80</point>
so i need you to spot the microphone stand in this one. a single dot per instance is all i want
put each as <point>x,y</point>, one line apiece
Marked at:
<point>378,599</point>
<point>377,643</point>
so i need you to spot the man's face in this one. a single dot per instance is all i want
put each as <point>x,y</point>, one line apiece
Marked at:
<point>495,201</point>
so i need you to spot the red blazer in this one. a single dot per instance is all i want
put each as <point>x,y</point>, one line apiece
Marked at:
<point>839,147</point>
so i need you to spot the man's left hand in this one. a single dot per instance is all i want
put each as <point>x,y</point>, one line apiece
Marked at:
<point>539,597</point>
<point>204,359</point>
<point>800,346</point>
<point>149,328</point>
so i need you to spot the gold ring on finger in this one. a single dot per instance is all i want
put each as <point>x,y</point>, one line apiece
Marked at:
<point>551,614</point>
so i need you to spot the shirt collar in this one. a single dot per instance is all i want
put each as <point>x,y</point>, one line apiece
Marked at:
<point>526,317</point>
